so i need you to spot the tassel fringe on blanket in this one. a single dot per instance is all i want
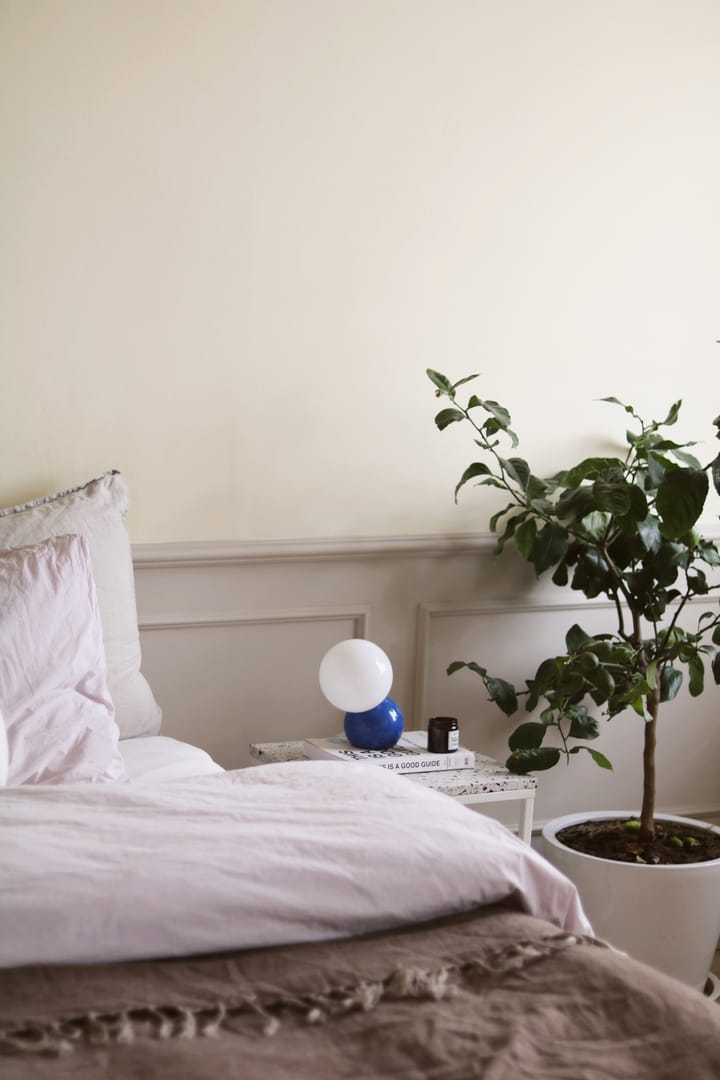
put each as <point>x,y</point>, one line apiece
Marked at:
<point>60,1036</point>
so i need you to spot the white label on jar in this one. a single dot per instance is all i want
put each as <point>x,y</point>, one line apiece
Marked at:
<point>453,739</point>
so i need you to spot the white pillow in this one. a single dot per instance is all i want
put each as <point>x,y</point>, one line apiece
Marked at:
<point>53,688</point>
<point>97,510</point>
<point>154,759</point>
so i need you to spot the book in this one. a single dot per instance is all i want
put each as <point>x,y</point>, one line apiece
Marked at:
<point>409,754</point>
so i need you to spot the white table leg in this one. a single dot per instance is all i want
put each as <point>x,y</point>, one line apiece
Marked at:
<point>525,822</point>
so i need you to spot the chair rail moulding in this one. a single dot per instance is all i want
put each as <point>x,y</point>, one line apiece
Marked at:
<point>358,617</point>
<point>215,552</point>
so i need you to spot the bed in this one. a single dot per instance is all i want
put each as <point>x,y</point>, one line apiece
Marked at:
<point>162,917</point>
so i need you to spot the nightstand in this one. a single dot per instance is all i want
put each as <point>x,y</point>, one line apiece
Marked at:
<point>488,782</point>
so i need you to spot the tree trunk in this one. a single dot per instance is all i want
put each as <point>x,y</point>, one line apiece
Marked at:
<point>647,813</point>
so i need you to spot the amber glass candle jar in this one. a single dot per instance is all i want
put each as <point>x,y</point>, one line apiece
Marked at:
<point>443,734</point>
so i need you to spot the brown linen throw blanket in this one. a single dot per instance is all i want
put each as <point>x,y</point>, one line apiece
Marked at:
<point>493,994</point>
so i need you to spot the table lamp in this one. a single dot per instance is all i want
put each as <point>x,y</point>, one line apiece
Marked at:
<point>355,676</point>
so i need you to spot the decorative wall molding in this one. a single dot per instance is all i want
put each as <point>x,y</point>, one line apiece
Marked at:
<point>193,621</point>
<point>221,552</point>
<point>230,552</point>
<point>213,553</point>
<point>427,612</point>
<point>562,601</point>
<point>233,635</point>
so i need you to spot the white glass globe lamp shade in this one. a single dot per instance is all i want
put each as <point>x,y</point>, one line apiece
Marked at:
<point>355,675</point>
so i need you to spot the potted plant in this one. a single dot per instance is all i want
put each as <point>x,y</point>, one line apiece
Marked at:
<point>622,527</point>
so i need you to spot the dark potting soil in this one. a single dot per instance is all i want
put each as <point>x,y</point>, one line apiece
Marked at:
<point>618,839</point>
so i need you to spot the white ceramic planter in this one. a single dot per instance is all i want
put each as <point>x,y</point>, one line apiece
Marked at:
<point>666,916</point>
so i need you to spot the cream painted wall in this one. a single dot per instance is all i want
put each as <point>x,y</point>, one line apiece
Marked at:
<point>236,232</point>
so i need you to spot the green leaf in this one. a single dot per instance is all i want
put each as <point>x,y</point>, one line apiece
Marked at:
<point>654,442</point>
<point>670,682</point>
<point>616,401</point>
<point>510,525</point>
<point>457,665</point>
<point>478,468</point>
<point>448,416</point>
<point>560,577</point>
<point>441,381</point>
<point>550,546</point>
<point>656,466</point>
<point>698,583</point>
<point>597,757</point>
<point>525,537</point>
<point>664,565</point>
<point>595,525</point>
<point>590,469</point>
<point>503,694</point>
<point>499,412</point>
<point>527,736</point>
<point>612,496</point>
<point>672,414</point>
<point>680,501</point>
<point>709,552</point>
<point>651,674</point>
<point>638,504</point>
<point>716,473</point>
<point>584,727</point>
<point>496,517</point>
<point>536,488</point>
<point>716,668</point>
<point>649,533</point>
<point>590,575</point>
<point>638,704</point>
<point>571,682</point>
<point>518,470</point>
<point>576,638</point>
<point>588,661</point>
<point>525,761</point>
<point>687,459</point>
<point>547,674</point>
<point>575,503</point>
<point>467,379</point>
<point>602,685</point>
<point>697,675</point>
<point>471,666</point>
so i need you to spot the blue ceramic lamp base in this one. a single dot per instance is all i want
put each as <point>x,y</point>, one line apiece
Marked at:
<point>376,729</point>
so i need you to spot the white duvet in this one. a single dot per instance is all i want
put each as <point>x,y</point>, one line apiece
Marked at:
<point>293,852</point>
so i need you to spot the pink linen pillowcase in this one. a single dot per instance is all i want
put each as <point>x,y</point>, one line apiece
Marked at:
<point>54,697</point>
<point>97,510</point>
